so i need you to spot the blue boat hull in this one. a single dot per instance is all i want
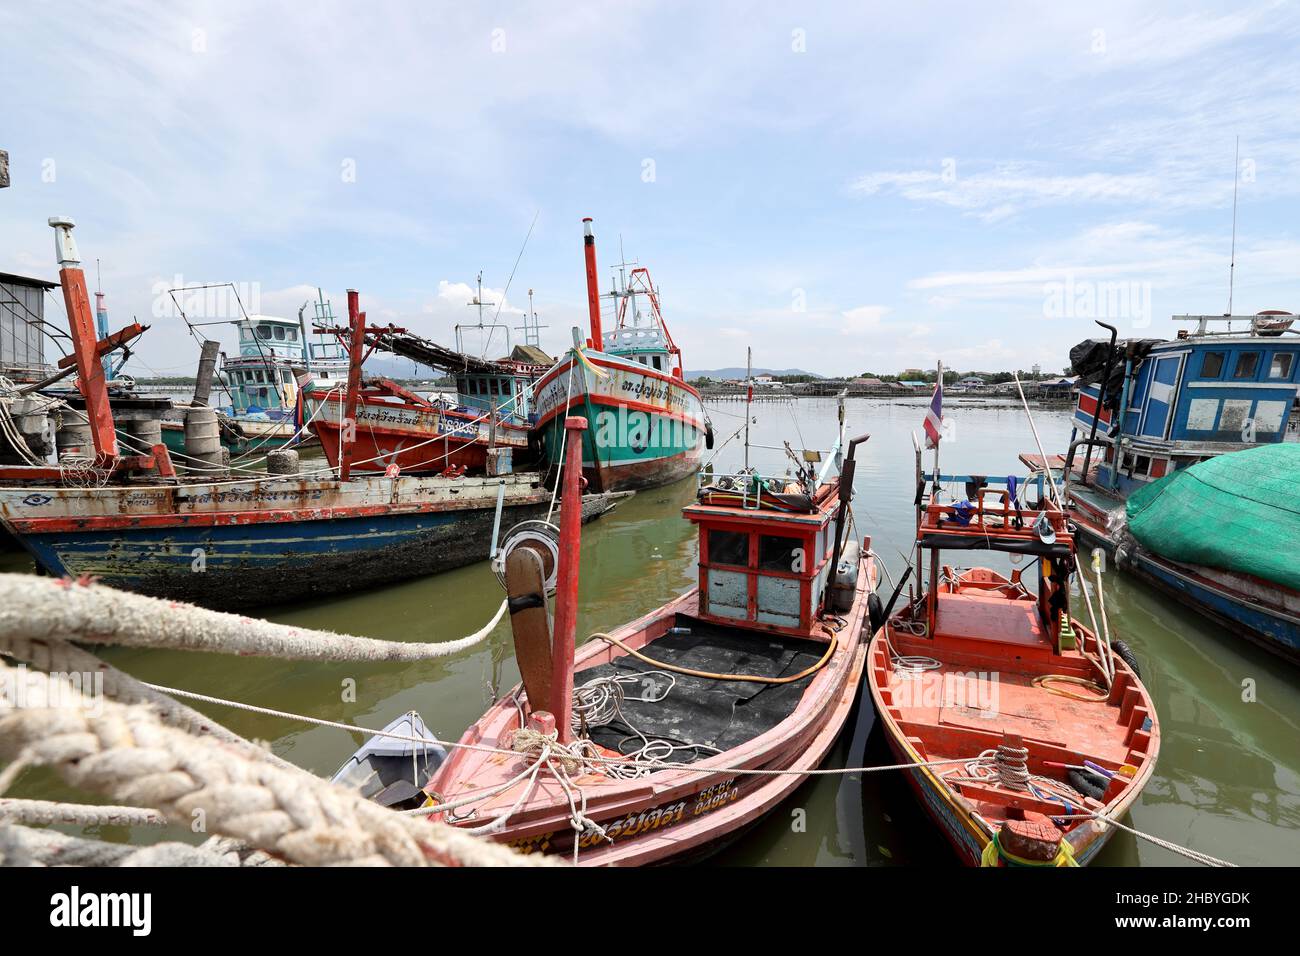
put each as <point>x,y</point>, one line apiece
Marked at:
<point>238,566</point>
<point>1271,629</point>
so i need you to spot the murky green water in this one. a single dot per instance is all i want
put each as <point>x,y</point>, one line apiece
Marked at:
<point>1228,777</point>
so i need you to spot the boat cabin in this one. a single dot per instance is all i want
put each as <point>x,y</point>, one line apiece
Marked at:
<point>1200,395</point>
<point>506,390</point>
<point>973,604</point>
<point>640,334</point>
<point>272,353</point>
<point>765,552</point>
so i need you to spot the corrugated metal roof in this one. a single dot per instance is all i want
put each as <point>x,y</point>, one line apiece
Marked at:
<point>9,277</point>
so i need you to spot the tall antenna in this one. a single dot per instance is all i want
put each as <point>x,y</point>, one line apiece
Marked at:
<point>1232,259</point>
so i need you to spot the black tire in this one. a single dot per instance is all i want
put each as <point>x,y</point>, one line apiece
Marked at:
<point>875,612</point>
<point>1126,655</point>
<point>1086,783</point>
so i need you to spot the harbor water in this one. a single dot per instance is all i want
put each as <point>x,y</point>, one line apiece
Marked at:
<point>1228,777</point>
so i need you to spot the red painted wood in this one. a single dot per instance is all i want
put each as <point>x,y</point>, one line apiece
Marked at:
<point>357,328</point>
<point>566,596</point>
<point>90,371</point>
<point>593,283</point>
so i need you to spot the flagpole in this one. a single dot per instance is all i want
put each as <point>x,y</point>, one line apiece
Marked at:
<point>938,383</point>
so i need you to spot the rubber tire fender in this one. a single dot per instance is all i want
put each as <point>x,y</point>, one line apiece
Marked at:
<point>1127,656</point>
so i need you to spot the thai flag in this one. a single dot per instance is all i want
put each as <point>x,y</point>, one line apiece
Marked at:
<point>934,417</point>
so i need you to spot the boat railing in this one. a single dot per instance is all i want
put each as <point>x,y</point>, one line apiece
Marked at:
<point>749,487</point>
<point>634,337</point>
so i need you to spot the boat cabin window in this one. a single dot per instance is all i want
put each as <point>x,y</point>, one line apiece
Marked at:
<point>263,331</point>
<point>1281,366</point>
<point>1247,365</point>
<point>279,332</point>
<point>291,334</point>
<point>1212,365</point>
<point>729,547</point>
<point>658,363</point>
<point>778,553</point>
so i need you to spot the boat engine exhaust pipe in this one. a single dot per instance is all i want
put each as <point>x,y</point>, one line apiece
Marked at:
<point>593,284</point>
<point>1101,397</point>
<point>841,516</point>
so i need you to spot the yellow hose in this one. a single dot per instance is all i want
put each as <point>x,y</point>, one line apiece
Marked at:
<point>1067,679</point>
<point>708,675</point>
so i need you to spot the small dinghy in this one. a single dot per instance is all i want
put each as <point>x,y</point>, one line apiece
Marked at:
<point>393,765</point>
<point>1031,725</point>
<point>633,750</point>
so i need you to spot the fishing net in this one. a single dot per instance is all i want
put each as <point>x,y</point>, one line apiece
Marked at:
<point>1236,512</point>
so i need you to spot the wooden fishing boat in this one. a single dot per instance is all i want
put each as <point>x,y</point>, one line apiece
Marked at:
<point>1029,724</point>
<point>394,425</point>
<point>647,426</point>
<point>133,522</point>
<point>634,749</point>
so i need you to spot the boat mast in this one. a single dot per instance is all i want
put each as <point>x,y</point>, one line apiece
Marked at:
<point>749,397</point>
<point>348,433</point>
<point>939,385</point>
<point>85,344</point>
<point>1232,259</point>
<point>593,284</point>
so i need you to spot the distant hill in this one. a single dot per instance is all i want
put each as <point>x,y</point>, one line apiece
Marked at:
<point>720,373</point>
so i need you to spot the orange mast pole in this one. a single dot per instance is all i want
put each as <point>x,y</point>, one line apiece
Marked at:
<point>85,341</point>
<point>593,284</point>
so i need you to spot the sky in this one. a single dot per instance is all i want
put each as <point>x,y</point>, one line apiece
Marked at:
<point>843,188</point>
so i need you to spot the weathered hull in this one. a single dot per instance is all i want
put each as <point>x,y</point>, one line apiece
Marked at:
<point>645,429</point>
<point>416,439</point>
<point>241,544</point>
<point>1264,613</point>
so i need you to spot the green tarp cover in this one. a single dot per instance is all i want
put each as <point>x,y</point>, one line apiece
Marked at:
<point>1235,512</point>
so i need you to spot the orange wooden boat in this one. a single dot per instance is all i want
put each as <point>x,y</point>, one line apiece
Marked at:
<point>1030,725</point>
<point>643,760</point>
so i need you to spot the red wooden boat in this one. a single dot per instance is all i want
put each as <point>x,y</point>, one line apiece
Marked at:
<point>1031,725</point>
<point>395,426</point>
<point>632,750</point>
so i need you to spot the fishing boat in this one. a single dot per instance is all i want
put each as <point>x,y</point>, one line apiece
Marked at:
<point>637,747</point>
<point>131,521</point>
<point>490,417</point>
<point>1022,727</point>
<point>1150,410</point>
<point>647,426</point>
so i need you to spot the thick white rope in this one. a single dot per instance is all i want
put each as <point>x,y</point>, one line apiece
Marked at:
<point>50,609</point>
<point>127,753</point>
<point>47,812</point>
<point>59,657</point>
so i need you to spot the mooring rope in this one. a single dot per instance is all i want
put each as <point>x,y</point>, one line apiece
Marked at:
<point>126,752</point>
<point>47,812</point>
<point>47,608</point>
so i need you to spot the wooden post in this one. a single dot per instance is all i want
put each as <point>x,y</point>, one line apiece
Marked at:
<point>207,367</point>
<point>348,434</point>
<point>85,342</point>
<point>566,596</point>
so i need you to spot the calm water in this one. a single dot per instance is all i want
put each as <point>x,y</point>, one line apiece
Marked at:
<point>1228,777</point>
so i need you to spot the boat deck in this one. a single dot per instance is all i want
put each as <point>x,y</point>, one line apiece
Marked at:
<point>992,619</point>
<point>701,712</point>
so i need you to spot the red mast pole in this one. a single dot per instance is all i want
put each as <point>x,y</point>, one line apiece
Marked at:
<point>85,341</point>
<point>566,592</point>
<point>593,284</point>
<point>348,433</point>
